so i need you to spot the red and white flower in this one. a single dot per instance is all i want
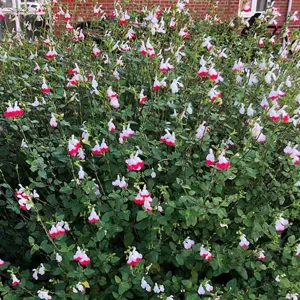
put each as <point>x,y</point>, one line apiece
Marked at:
<point>124,18</point>
<point>156,85</point>
<point>15,280</point>
<point>142,97</point>
<point>96,51</point>
<point>298,250</point>
<point>12,112</point>
<point>126,133</point>
<point>223,163</point>
<point>2,262</point>
<point>169,139</point>
<point>73,146</point>
<point>45,88</point>
<point>2,15</point>
<point>81,257</point>
<point>25,197</point>
<point>67,16</point>
<point>121,183</point>
<point>247,7</point>
<point>59,229</point>
<point>98,149</point>
<point>205,253</point>
<point>51,53</point>
<point>210,158</point>
<point>294,18</point>
<point>261,255</point>
<point>142,197</point>
<point>134,163</point>
<point>111,125</point>
<point>134,257</point>
<point>244,243</point>
<point>93,217</point>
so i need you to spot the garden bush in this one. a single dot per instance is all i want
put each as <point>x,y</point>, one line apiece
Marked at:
<point>158,162</point>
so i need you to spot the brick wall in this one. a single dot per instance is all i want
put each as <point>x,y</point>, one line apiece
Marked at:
<point>227,8</point>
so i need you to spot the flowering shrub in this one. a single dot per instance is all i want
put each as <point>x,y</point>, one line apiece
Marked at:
<point>160,163</point>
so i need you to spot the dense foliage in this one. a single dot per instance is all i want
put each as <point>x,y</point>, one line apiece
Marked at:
<point>224,176</point>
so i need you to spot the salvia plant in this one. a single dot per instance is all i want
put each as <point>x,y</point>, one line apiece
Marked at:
<point>154,158</point>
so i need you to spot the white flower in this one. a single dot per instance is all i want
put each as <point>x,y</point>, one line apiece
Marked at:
<point>58,257</point>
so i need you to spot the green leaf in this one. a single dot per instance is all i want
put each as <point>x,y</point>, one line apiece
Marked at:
<point>31,240</point>
<point>117,279</point>
<point>141,215</point>
<point>48,248</point>
<point>66,190</point>
<point>123,287</point>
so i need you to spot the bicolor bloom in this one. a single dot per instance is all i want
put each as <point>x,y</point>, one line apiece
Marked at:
<point>142,97</point>
<point>126,133</point>
<point>73,146</point>
<point>51,53</point>
<point>261,255</point>
<point>244,243</point>
<point>205,253</point>
<point>111,125</point>
<point>15,280</point>
<point>298,250</point>
<point>261,42</point>
<point>81,257</point>
<point>210,158</point>
<point>214,94</point>
<point>223,163</point>
<point>274,114</point>
<point>59,229</point>
<point>280,224</point>
<point>12,112</point>
<point>67,16</point>
<point>121,183</point>
<point>156,85</point>
<point>264,103</point>
<point>143,196</point>
<point>188,243</point>
<point>134,163</point>
<point>98,149</point>
<point>2,262</point>
<point>172,24</point>
<point>273,94</point>
<point>169,139</point>
<point>45,88</point>
<point>2,15</point>
<point>134,257</point>
<point>96,51</point>
<point>294,18</point>
<point>93,217</point>
<point>25,197</point>
<point>247,7</point>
